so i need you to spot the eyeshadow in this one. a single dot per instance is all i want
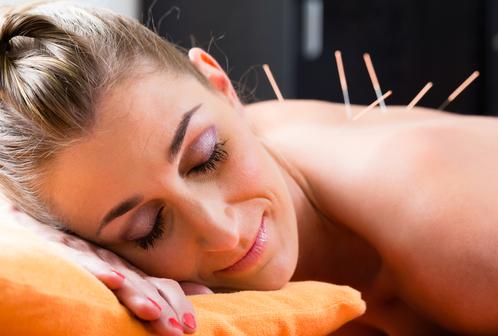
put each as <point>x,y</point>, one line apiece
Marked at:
<point>201,149</point>
<point>139,225</point>
<point>205,142</point>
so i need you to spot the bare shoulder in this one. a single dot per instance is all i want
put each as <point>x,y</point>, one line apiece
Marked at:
<point>318,140</point>
<point>337,155</point>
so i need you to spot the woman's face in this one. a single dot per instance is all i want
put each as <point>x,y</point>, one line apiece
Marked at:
<point>172,179</point>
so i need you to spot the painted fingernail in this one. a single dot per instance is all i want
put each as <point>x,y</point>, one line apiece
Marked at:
<point>155,304</point>
<point>119,274</point>
<point>189,320</point>
<point>175,323</point>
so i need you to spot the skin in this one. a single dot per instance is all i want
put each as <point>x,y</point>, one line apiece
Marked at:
<point>382,204</point>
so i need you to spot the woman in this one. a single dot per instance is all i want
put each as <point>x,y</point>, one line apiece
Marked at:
<point>112,134</point>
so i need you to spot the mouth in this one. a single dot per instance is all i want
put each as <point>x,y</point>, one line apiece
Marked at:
<point>255,252</point>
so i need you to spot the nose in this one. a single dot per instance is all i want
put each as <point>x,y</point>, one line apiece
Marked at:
<point>215,226</point>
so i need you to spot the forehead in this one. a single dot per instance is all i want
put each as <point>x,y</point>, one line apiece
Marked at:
<point>138,96</point>
<point>134,121</point>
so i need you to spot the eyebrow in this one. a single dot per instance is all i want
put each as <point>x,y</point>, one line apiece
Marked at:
<point>120,210</point>
<point>180,132</point>
<point>174,149</point>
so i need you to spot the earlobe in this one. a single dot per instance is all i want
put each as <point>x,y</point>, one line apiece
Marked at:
<point>208,66</point>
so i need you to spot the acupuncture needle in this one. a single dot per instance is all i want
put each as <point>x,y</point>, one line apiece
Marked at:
<point>371,106</point>
<point>375,81</point>
<point>273,83</point>
<point>459,90</point>
<point>419,96</point>
<point>344,85</point>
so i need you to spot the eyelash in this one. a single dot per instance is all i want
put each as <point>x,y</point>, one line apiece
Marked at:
<point>157,231</point>
<point>219,154</point>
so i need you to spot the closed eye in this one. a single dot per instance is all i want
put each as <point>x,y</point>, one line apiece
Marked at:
<point>219,154</point>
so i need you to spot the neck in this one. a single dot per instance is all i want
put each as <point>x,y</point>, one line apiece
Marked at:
<point>328,250</point>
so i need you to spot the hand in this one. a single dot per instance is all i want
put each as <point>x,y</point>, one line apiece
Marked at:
<point>161,303</point>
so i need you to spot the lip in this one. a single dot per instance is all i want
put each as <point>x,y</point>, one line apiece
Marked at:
<point>253,255</point>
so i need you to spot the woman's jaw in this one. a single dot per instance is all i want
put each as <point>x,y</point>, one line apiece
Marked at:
<point>267,263</point>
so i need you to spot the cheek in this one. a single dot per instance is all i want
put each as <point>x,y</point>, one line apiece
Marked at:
<point>250,170</point>
<point>163,261</point>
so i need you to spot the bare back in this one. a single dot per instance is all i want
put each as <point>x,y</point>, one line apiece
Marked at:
<point>418,188</point>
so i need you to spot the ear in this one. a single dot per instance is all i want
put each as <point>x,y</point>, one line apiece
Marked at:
<point>208,66</point>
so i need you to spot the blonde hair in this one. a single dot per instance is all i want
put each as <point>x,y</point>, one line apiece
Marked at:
<point>56,60</point>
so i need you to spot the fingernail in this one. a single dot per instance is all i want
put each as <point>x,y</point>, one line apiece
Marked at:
<point>189,320</point>
<point>155,304</point>
<point>175,323</point>
<point>119,274</point>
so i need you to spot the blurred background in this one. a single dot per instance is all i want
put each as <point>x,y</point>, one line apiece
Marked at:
<point>411,42</point>
<point>127,7</point>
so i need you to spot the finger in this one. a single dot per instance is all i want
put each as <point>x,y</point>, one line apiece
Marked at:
<point>119,263</point>
<point>166,326</point>
<point>173,294</point>
<point>139,303</point>
<point>75,243</point>
<point>167,323</point>
<point>192,288</point>
<point>112,279</point>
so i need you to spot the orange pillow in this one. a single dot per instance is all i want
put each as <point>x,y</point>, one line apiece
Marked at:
<point>41,293</point>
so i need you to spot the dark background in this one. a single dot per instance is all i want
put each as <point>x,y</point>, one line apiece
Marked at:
<point>411,42</point>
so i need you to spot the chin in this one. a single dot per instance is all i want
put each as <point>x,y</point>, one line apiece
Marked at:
<point>275,282</point>
<point>277,273</point>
